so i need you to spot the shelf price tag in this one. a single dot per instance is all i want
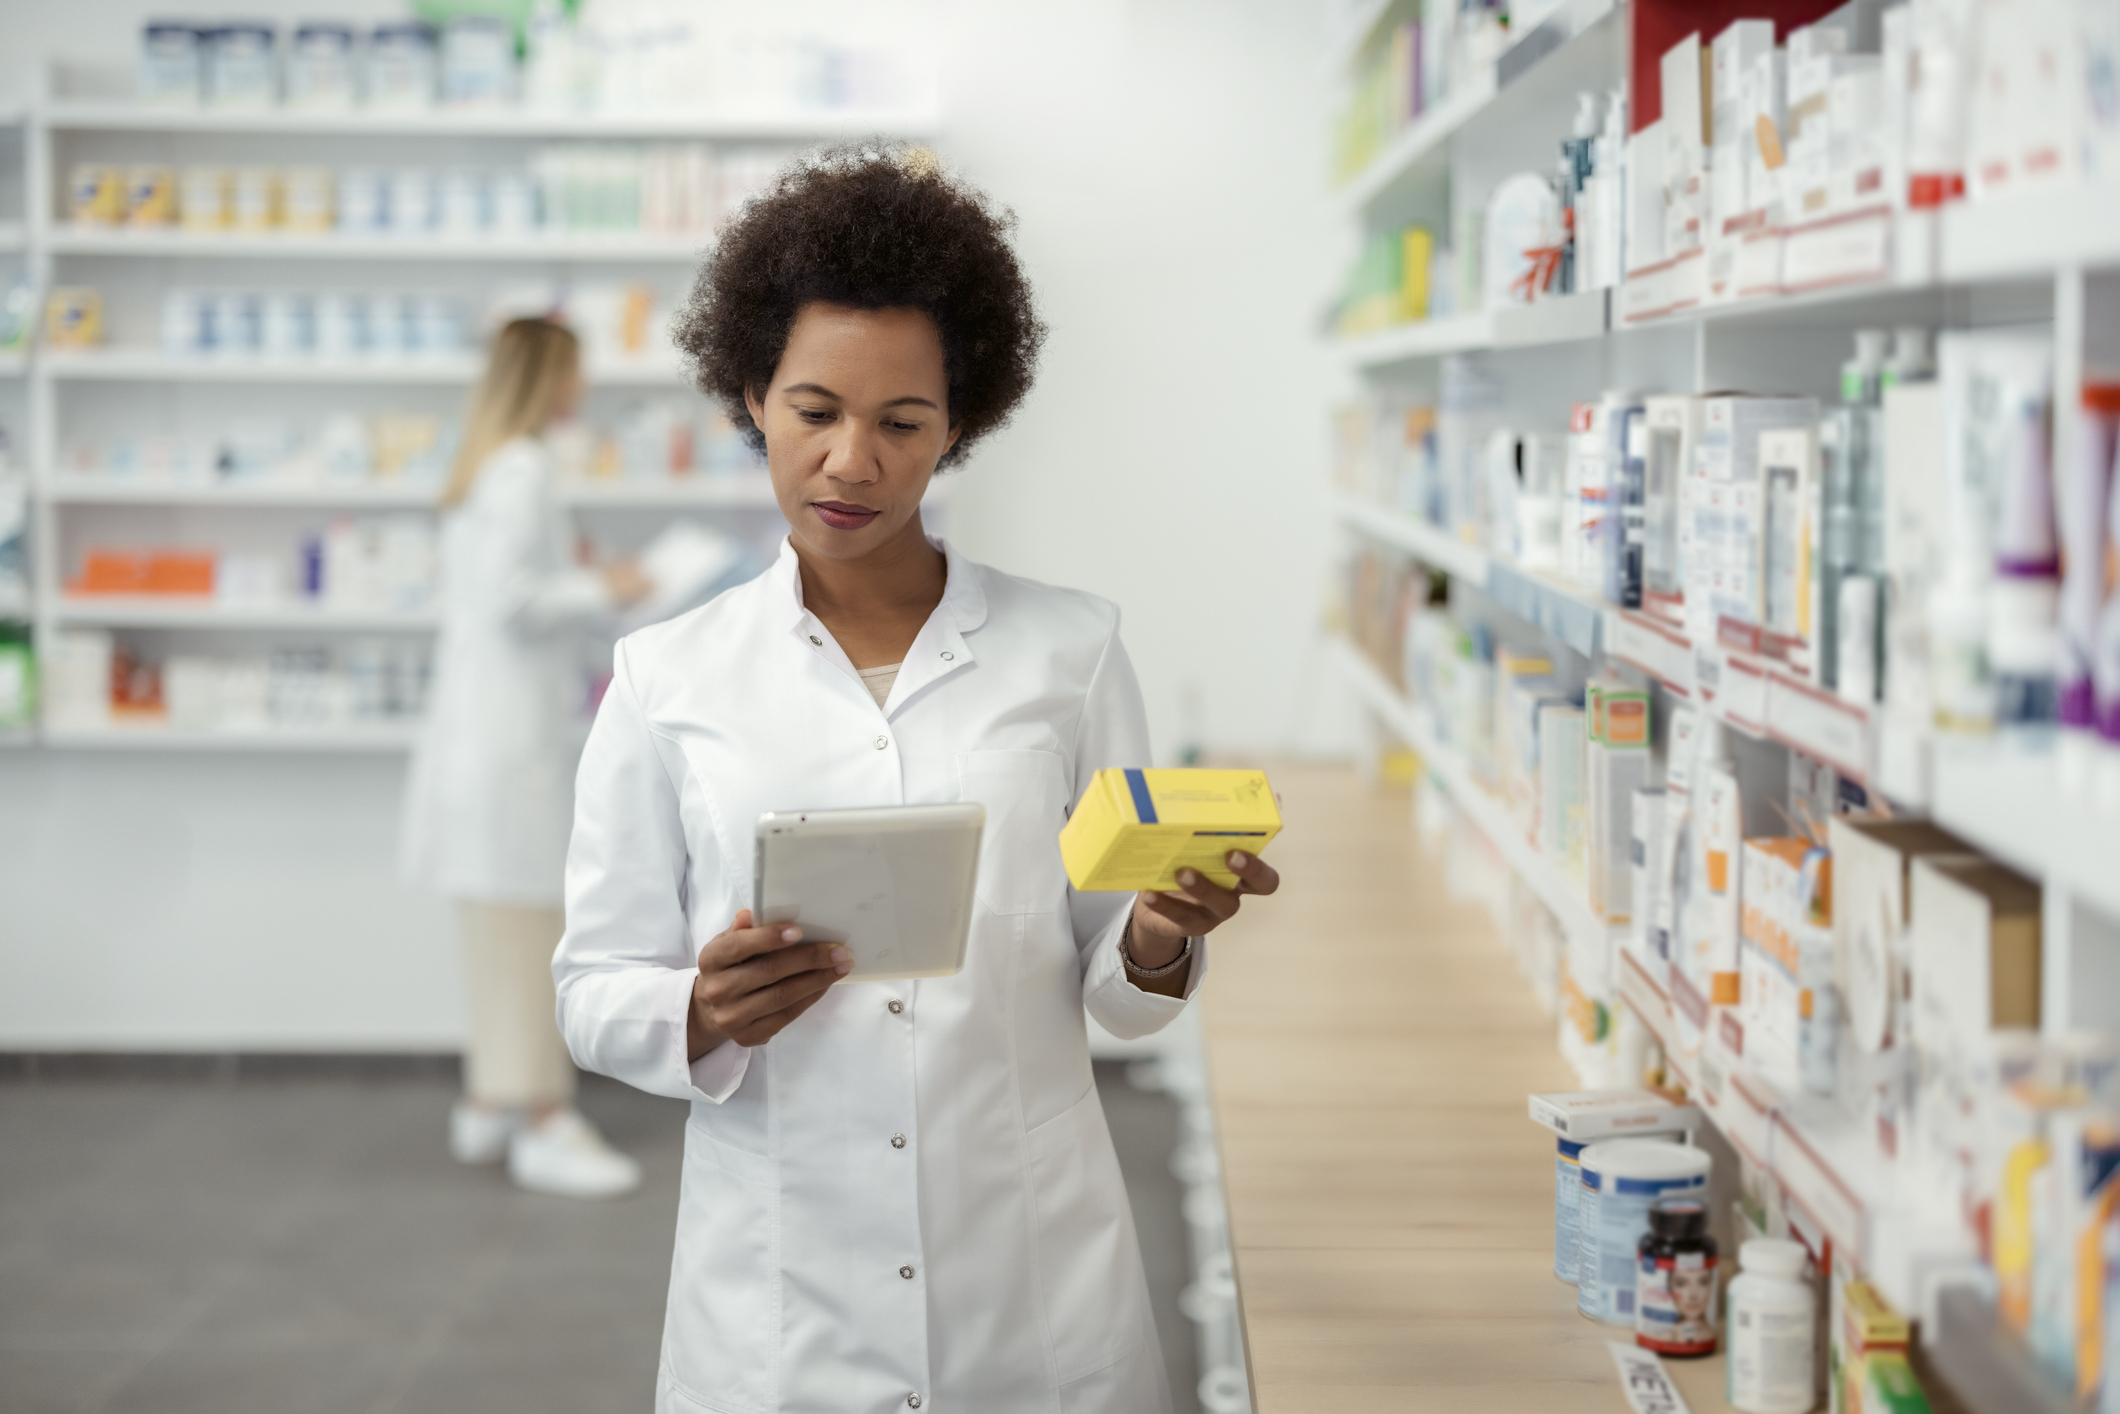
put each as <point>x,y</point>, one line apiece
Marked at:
<point>1647,1385</point>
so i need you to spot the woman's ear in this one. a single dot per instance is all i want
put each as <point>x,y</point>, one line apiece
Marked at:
<point>755,404</point>
<point>956,431</point>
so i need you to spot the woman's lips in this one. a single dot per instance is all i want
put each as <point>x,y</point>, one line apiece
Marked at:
<point>842,515</point>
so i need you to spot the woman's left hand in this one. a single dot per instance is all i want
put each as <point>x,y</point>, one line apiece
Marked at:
<point>1198,906</point>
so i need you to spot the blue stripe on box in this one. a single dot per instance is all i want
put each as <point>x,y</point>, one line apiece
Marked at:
<point>1144,803</point>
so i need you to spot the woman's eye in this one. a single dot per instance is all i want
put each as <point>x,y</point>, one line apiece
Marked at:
<point>817,415</point>
<point>905,427</point>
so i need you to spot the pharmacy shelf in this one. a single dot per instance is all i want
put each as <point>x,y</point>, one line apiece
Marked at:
<point>1746,693</point>
<point>151,365</point>
<point>2032,233</point>
<point>84,490</point>
<point>1450,770</point>
<point>1421,149</point>
<point>17,738</point>
<point>701,492</point>
<point>615,247</point>
<point>2015,806</point>
<point>795,126</point>
<point>1837,1187</point>
<point>13,236</point>
<point>1432,545</point>
<point>1572,616</point>
<point>145,736</point>
<point>187,612</point>
<point>14,602</point>
<point>13,363</point>
<point>1424,338</point>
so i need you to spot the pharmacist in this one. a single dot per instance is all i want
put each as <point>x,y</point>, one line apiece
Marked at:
<point>896,1195</point>
<point>487,806</point>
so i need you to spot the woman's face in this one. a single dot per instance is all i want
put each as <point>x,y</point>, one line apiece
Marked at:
<point>1691,1292</point>
<point>855,419</point>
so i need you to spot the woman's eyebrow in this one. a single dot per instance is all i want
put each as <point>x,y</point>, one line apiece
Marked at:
<point>920,402</point>
<point>817,388</point>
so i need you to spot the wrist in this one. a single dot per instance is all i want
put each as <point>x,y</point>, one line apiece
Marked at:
<point>1152,962</point>
<point>1148,946</point>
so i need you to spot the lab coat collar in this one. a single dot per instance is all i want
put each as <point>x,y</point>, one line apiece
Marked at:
<point>938,651</point>
<point>963,595</point>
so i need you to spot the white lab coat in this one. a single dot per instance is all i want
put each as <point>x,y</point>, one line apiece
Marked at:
<point>489,798</point>
<point>989,1265</point>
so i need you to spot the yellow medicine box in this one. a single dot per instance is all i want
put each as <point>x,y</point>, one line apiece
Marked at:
<point>1137,829</point>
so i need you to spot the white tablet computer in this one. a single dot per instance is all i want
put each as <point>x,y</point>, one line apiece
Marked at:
<point>893,884</point>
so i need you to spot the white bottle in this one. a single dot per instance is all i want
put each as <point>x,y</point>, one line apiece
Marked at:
<point>1771,1330</point>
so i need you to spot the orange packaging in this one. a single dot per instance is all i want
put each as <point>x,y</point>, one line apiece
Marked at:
<point>145,572</point>
<point>180,572</point>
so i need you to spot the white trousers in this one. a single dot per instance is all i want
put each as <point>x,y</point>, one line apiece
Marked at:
<point>514,1056</point>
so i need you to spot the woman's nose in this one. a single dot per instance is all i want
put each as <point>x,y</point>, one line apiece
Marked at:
<point>853,454</point>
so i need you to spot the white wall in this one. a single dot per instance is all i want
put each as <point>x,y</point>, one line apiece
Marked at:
<point>1165,158</point>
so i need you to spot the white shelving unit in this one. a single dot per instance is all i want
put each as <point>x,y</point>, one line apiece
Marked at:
<point>392,738</point>
<point>2028,259</point>
<point>566,247</point>
<point>700,492</point>
<point>793,126</point>
<point>185,612</point>
<point>126,260</point>
<point>139,365</point>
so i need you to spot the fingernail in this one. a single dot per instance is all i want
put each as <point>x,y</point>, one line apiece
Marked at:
<point>1237,859</point>
<point>791,935</point>
<point>843,968</point>
<point>841,956</point>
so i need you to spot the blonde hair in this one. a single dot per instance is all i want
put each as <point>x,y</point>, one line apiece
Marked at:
<point>526,373</point>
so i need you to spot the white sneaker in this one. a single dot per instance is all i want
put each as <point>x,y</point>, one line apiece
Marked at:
<point>564,1156</point>
<point>478,1135</point>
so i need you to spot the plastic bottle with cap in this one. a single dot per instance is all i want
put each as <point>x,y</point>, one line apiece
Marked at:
<point>1913,357</point>
<point>1675,1279</point>
<point>1771,1330</point>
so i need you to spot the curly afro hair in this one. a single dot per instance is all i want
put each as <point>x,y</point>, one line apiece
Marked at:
<point>871,226</point>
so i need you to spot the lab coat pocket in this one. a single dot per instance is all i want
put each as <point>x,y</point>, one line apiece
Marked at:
<point>720,1336</point>
<point>1025,795</point>
<point>1089,1262</point>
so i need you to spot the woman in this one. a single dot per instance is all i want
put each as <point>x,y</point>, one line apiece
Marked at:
<point>896,1194</point>
<point>487,807</point>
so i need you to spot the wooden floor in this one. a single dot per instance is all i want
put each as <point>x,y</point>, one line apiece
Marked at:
<point>1371,1044</point>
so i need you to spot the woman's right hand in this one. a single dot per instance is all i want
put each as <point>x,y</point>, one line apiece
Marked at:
<point>627,583</point>
<point>753,981</point>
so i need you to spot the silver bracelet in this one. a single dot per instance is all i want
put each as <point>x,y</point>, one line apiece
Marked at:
<point>1126,956</point>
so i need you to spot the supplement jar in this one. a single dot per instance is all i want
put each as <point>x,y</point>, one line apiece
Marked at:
<point>1772,1330</point>
<point>1621,1177</point>
<point>1567,1206</point>
<point>1675,1280</point>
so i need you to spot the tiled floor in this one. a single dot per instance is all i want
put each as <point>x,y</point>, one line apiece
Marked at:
<point>305,1246</point>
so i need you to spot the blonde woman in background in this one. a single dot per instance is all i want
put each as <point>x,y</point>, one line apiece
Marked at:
<point>489,802</point>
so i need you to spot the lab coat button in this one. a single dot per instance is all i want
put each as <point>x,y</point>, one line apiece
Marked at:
<point>949,657</point>
<point>912,1401</point>
<point>897,1141</point>
<point>816,641</point>
<point>882,742</point>
<point>906,1272</point>
<point>896,1006</point>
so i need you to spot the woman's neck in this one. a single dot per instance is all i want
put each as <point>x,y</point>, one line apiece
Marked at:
<point>875,606</point>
